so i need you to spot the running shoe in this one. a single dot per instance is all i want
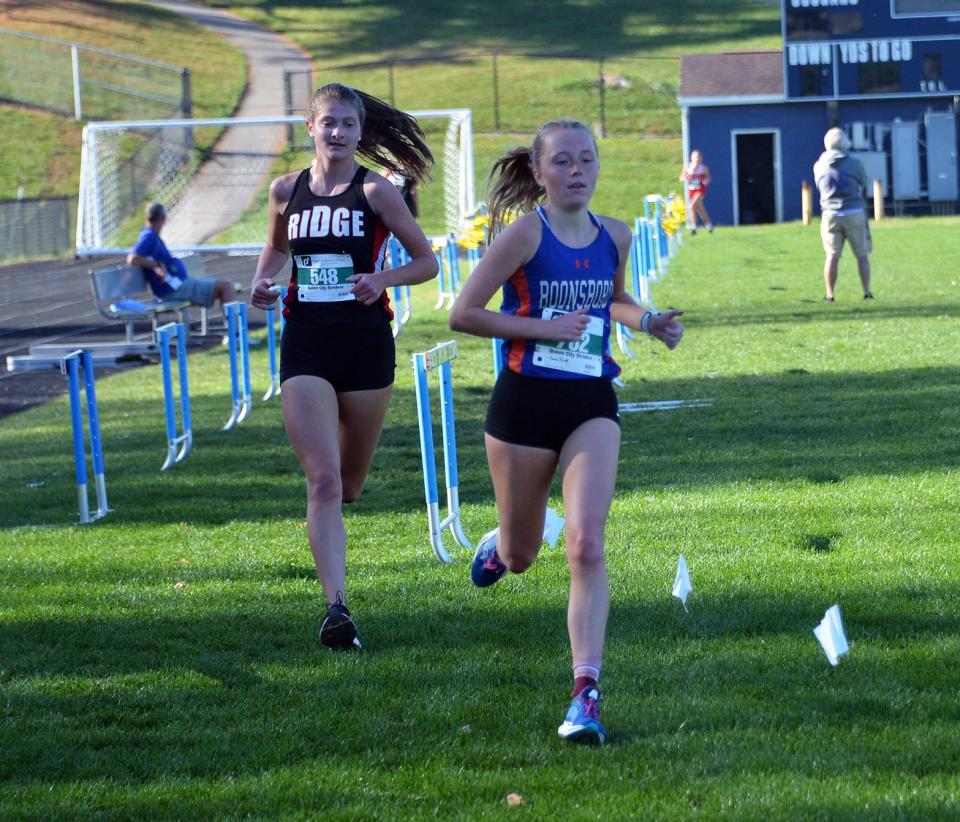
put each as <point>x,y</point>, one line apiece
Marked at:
<point>582,723</point>
<point>487,567</point>
<point>337,630</point>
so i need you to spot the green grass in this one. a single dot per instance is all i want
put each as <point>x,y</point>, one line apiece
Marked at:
<point>163,662</point>
<point>451,47</point>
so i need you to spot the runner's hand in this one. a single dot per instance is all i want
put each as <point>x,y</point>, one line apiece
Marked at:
<point>367,288</point>
<point>666,329</point>
<point>262,296</point>
<point>568,327</point>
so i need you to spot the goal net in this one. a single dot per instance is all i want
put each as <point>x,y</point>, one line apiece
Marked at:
<point>213,176</point>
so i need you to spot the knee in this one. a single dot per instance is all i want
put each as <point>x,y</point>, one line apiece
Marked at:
<point>351,490</point>
<point>584,551</point>
<point>324,486</point>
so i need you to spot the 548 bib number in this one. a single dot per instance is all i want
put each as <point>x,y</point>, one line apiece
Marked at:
<point>322,278</point>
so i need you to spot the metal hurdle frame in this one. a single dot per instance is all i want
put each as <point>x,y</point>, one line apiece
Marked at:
<point>271,314</point>
<point>238,337</point>
<point>401,293</point>
<point>439,358</point>
<point>165,334</point>
<point>70,365</point>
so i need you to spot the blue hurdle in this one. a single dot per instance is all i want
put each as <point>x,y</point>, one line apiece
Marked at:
<point>402,304</point>
<point>165,334</point>
<point>71,365</point>
<point>274,389</point>
<point>238,338</point>
<point>439,358</point>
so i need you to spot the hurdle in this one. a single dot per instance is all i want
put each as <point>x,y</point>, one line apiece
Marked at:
<point>237,338</point>
<point>401,293</point>
<point>274,389</point>
<point>439,358</point>
<point>165,334</point>
<point>70,365</point>
<point>642,264</point>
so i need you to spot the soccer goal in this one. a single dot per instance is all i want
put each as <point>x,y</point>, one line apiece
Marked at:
<point>213,176</point>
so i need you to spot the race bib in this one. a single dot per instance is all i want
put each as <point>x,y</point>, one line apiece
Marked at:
<point>583,356</point>
<point>322,278</point>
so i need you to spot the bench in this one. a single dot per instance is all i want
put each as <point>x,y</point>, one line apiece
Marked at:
<point>122,293</point>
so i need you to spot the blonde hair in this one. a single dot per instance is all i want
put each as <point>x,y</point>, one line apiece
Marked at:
<point>389,137</point>
<point>511,184</point>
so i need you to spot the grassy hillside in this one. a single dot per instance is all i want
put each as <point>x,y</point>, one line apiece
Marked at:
<point>450,44</point>
<point>40,151</point>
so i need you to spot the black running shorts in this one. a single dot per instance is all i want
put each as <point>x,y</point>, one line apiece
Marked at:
<point>543,413</point>
<point>349,358</point>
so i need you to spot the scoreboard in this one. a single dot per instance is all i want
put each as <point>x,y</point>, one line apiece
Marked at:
<point>846,49</point>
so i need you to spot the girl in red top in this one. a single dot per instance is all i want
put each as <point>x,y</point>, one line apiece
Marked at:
<point>697,177</point>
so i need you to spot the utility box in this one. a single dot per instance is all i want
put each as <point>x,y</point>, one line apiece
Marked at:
<point>905,156</point>
<point>941,127</point>
<point>875,165</point>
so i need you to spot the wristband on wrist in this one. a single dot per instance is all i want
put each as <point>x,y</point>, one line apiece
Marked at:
<point>645,321</point>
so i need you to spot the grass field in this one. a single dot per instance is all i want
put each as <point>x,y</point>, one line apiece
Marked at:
<point>163,662</point>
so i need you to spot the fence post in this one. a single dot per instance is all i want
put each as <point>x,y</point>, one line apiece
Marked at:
<point>877,201</point>
<point>77,102</point>
<point>496,94</point>
<point>603,102</point>
<point>390,79</point>
<point>186,104</point>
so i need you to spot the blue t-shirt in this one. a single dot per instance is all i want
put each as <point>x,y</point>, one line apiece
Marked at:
<point>559,279</point>
<point>149,244</point>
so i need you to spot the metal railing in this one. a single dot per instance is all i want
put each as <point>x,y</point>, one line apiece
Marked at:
<point>517,92</point>
<point>104,85</point>
<point>37,227</point>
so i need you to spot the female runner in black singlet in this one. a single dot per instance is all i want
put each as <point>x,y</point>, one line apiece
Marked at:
<point>337,354</point>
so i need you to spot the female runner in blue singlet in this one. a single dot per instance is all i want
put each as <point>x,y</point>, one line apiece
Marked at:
<point>337,355</point>
<point>562,273</point>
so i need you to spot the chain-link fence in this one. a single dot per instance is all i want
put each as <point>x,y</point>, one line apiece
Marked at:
<point>510,92</point>
<point>89,83</point>
<point>37,227</point>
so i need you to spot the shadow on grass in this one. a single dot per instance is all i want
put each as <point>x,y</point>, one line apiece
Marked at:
<point>244,688</point>
<point>819,428</point>
<point>572,29</point>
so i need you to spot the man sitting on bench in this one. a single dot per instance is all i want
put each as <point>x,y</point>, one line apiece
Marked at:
<point>166,274</point>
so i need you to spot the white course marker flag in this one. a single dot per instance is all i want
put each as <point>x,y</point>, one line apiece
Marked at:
<point>831,636</point>
<point>681,583</point>
<point>552,527</point>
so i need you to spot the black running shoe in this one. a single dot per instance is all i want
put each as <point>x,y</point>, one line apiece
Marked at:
<point>337,630</point>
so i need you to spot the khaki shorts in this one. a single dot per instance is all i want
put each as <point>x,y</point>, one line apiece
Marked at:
<point>853,227</point>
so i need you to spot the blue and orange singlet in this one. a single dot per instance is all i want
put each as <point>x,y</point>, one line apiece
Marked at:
<point>556,280</point>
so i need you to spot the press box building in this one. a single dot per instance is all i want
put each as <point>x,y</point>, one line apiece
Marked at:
<point>886,71</point>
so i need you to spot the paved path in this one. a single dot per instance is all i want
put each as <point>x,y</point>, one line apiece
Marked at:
<point>225,187</point>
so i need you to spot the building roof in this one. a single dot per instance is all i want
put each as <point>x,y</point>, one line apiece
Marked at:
<point>732,74</point>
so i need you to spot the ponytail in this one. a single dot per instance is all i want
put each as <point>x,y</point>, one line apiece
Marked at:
<point>389,137</point>
<point>512,187</point>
